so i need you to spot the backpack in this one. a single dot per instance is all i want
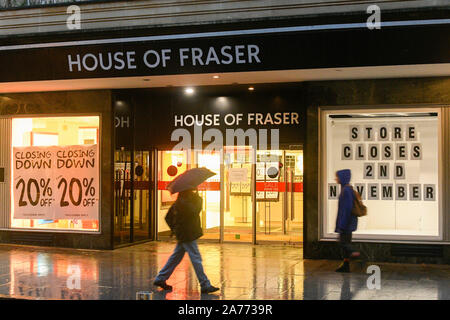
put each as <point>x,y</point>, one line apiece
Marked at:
<point>171,218</point>
<point>359,209</point>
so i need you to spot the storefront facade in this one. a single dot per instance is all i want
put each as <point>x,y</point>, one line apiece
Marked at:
<point>253,141</point>
<point>278,111</point>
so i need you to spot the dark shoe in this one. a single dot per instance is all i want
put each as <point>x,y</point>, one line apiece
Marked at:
<point>345,267</point>
<point>162,284</point>
<point>209,289</point>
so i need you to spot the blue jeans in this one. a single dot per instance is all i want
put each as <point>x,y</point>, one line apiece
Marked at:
<point>177,256</point>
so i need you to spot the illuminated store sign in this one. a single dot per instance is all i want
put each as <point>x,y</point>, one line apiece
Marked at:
<point>208,119</point>
<point>218,52</point>
<point>256,133</point>
<point>120,60</point>
<point>230,119</point>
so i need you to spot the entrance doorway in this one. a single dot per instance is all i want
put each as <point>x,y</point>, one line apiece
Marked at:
<point>133,194</point>
<point>173,163</point>
<point>246,201</point>
<point>238,194</point>
<point>279,194</point>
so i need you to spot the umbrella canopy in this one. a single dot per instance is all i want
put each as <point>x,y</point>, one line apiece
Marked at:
<point>189,179</point>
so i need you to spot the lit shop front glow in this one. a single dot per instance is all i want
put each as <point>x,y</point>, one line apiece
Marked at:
<point>55,173</point>
<point>279,188</point>
<point>394,159</point>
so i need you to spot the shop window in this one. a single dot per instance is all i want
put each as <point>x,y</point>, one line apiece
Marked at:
<point>55,173</point>
<point>394,160</point>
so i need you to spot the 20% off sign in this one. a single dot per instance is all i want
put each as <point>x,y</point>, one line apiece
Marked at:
<point>56,182</point>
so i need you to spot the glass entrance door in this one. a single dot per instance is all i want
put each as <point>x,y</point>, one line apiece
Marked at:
<point>142,195</point>
<point>210,193</point>
<point>279,196</point>
<point>132,196</point>
<point>122,197</point>
<point>245,201</point>
<point>293,219</point>
<point>173,163</point>
<point>238,205</point>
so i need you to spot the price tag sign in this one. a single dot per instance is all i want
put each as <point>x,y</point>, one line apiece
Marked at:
<point>238,174</point>
<point>56,182</point>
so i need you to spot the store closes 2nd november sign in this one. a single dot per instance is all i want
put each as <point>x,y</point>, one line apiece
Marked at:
<point>401,148</point>
<point>57,182</point>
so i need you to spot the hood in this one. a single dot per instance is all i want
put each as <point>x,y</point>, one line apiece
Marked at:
<point>344,176</point>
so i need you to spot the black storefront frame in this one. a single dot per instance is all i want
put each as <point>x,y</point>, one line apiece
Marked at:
<point>151,235</point>
<point>133,97</point>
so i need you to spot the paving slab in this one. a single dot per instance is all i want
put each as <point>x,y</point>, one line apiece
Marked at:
<point>244,272</point>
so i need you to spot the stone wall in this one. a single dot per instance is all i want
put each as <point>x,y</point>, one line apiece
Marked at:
<point>103,15</point>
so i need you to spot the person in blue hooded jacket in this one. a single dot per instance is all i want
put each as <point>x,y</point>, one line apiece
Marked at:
<point>346,222</point>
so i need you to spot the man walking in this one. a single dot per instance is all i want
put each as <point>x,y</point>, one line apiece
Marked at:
<point>185,223</point>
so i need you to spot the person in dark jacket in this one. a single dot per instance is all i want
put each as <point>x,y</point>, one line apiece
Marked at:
<point>346,222</point>
<point>187,230</point>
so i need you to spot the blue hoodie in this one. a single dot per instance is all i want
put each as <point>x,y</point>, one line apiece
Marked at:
<point>346,222</point>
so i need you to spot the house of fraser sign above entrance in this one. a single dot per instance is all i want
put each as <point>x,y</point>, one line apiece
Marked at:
<point>151,59</point>
<point>216,52</point>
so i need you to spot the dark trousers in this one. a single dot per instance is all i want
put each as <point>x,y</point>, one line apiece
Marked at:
<point>345,242</point>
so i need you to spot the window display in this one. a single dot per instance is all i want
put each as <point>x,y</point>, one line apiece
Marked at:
<point>394,160</point>
<point>55,170</point>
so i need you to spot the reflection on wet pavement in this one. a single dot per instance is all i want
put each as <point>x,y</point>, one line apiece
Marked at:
<point>242,271</point>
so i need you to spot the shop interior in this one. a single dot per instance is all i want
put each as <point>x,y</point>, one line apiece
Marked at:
<point>279,193</point>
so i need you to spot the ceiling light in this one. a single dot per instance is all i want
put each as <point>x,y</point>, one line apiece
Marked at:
<point>251,88</point>
<point>216,77</point>
<point>189,91</point>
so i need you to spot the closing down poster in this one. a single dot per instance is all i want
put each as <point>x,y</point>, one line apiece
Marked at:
<point>56,182</point>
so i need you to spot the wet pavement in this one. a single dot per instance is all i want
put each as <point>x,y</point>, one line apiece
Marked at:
<point>242,271</point>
